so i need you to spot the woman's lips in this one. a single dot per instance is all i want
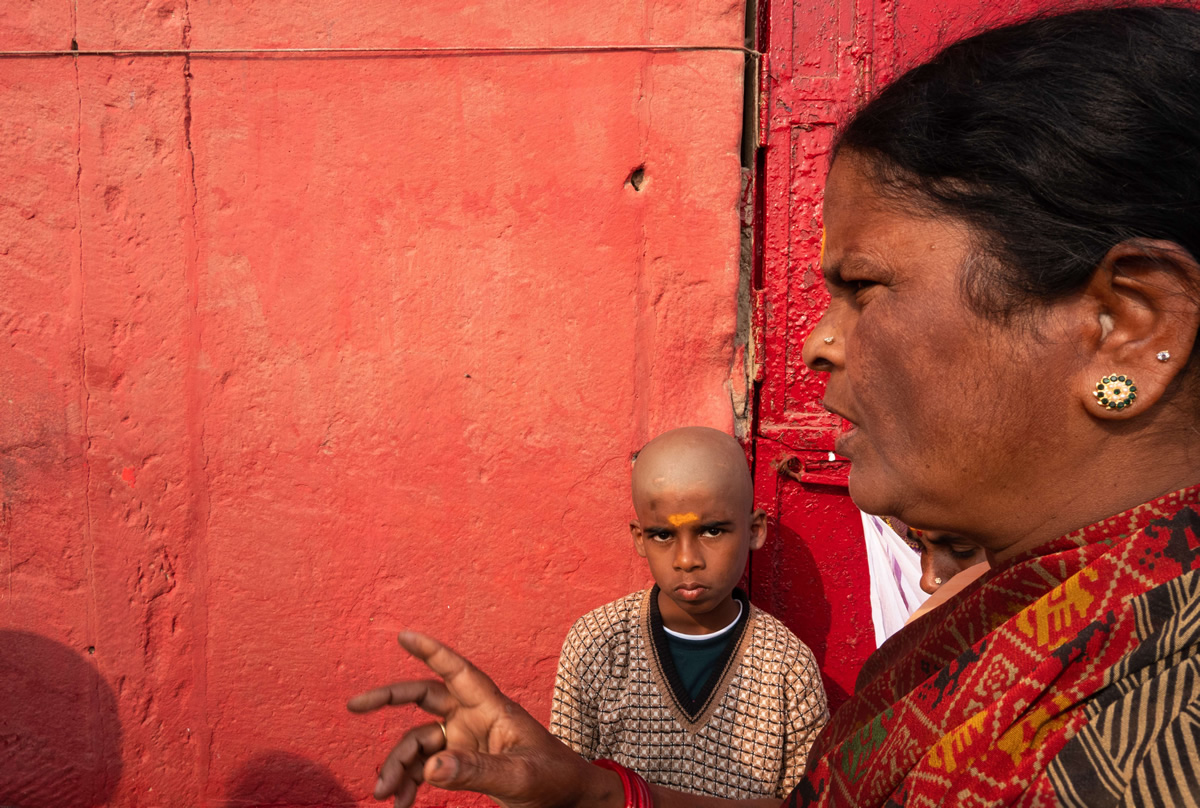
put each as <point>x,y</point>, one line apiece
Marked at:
<point>845,433</point>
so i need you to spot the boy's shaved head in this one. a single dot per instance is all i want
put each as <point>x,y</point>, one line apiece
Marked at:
<point>696,525</point>
<point>689,457</point>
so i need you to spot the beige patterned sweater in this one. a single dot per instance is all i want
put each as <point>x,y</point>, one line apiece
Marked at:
<point>617,696</point>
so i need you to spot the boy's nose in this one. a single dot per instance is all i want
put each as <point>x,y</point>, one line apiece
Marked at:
<point>687,555</point>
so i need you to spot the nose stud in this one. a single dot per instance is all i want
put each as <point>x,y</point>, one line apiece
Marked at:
<point>937,581</point>
<point>828,340</point>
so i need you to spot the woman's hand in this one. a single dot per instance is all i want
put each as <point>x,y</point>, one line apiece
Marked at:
<point>491,745</point>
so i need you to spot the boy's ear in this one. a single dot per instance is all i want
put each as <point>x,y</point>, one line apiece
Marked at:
<point>758,529</point>
<point>635,530</point>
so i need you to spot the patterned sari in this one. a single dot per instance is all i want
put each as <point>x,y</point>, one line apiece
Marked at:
<point>1069,677</point>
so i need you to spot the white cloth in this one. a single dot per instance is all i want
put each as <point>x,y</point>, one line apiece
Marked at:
<point>895,570</point>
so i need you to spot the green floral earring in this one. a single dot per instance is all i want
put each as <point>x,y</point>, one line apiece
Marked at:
<point>1116,392</point>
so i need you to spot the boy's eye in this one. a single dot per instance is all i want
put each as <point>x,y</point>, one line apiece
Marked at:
<point>660,535</point>
<point>712,532</point>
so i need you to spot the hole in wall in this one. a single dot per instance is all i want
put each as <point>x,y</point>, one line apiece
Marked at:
<point>636,178</point>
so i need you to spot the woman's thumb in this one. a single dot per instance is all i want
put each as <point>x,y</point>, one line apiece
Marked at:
<point>474,771</point>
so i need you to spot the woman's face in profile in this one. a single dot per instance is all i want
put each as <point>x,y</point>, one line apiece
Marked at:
<point>947,412</point>
<point>943,555</point>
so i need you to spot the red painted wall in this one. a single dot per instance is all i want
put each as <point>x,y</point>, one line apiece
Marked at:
<point>303,349</point>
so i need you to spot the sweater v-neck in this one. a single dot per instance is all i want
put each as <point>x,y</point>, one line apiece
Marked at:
<point>693,713</point>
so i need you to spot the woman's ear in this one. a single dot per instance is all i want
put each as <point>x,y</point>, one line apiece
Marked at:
<point>758,529</point>
<point>1145,299</point>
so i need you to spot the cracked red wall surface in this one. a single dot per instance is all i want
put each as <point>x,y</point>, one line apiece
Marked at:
<point>301,350</point>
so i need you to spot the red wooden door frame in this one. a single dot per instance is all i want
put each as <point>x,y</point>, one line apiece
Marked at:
<point>813,572</point>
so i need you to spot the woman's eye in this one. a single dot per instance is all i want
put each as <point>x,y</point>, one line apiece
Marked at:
<point>963,552</point>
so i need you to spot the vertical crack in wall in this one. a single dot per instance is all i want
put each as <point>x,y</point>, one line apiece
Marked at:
<point>199,504</point>
<point>645,318</point>
<point>97,718</point>
<point>741,373</point>
<point>85,391</point>
<point>744,410</point>
<point>5,522</point>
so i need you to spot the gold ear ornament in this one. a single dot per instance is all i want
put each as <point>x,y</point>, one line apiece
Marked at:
<point>1116,392</point>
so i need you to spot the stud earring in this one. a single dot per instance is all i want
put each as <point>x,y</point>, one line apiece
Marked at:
<point>828,340</point>
<point>1116,392</point>
<point>1162,356</point>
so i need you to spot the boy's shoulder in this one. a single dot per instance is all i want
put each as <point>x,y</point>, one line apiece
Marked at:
<point>771,636</point>
<point>616,617</point>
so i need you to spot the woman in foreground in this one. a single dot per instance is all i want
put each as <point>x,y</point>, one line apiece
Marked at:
<point>1011,242</point>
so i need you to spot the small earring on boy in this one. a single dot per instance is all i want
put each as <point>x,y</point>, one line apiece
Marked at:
<point>1162,356</point>
<point>827,340</point>
<point>1116,392</point>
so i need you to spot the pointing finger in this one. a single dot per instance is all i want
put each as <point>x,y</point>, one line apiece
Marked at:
<point>428,694</point>
<point>469,685</point>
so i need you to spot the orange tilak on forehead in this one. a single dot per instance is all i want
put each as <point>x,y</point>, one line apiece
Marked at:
<point>677,519</point>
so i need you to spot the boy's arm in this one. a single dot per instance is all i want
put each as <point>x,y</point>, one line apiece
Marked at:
<point>807,715</point>
<point>574,716</point>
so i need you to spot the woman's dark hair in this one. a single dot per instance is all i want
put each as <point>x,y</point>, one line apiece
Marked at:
<point>1056,138</point>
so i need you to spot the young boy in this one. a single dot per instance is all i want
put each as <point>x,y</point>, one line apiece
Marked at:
<point>687,683</point>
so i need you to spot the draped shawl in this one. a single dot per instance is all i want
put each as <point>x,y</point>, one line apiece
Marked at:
<point>1069,676</point>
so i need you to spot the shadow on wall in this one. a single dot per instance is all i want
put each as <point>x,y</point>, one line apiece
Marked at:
<point>60,738</point>
<point>282,780</point>
<point>803,575</point>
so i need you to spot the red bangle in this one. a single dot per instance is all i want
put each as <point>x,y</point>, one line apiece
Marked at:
<point>637,790</point>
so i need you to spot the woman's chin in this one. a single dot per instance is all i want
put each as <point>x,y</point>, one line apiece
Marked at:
<point>872,492</point>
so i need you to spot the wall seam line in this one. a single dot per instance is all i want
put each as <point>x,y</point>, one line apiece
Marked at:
<point>200,504</point>
<point>85,408</point>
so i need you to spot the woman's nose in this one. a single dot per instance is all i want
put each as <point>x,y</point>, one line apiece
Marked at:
<point>930,580</point>
<point>823,350</point>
